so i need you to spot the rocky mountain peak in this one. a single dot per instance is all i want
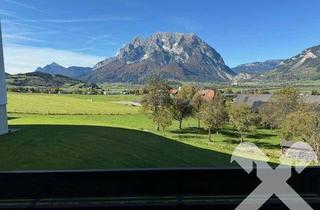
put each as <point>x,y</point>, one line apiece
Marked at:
<point>168,47</point>
<point>54,64</point>
<point>314,50</point>
<point>174,55</point>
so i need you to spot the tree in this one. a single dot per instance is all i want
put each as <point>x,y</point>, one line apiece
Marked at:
<point>315,92</point>
<point>156,99</point>
<point>197,103</point>
<point>287,100</point>
<point>214,115</point>
<point>243,119</point>
<point>228,90</point>
<point>181,109</point>
<point>282,103</point>
<point>187,92</point>
<point>163,118</point>
<point>303,125</point>
<point>269,115</point>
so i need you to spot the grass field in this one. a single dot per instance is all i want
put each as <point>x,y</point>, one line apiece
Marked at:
<point>69,104</point>
<point>96,132</point>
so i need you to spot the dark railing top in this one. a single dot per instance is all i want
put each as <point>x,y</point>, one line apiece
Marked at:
<point>143,183</point>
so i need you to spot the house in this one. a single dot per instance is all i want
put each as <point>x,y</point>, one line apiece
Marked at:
<point>299,151</point>
<point>207,94</point>
<point>285,145</point>
<point>313,100</point>
<point>3,93</point>
<point>254,101</point>
<point>173,91</point>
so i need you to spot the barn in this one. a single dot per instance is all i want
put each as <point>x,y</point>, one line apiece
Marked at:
<point>3,93</point>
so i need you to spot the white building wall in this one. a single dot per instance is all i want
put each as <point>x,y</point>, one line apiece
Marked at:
<point>3,92</point>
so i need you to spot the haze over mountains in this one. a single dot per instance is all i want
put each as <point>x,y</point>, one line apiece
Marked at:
<point>186,57</point>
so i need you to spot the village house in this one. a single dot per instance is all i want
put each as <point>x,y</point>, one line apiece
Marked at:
<point>207,94</point>
<point>299,151</point>
<point>256,101</point>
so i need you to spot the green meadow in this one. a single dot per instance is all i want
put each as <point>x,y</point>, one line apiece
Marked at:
<point>104,132</point>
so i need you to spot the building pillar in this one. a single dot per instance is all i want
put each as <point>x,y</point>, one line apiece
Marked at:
<point>3,92</point>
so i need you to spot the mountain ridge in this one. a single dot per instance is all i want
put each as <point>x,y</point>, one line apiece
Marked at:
<point>44,80</point>
<point>257,67</point>
<point>305,65</point>
<point>171,55</point>
<point>74,72</point>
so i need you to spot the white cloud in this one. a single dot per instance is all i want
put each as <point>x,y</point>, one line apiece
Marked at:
<point>7,13</point>
<point>20,37</point>
<point>20,58</point>
<point>71,20</point>
<point>22,5</point>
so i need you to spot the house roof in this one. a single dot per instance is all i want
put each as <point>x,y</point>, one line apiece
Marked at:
<point>254,101</point>
<point>173,91</point>
<point>285,143</point>
<point>313,99</point>
<point>207,94</point>
<point>295,145</point>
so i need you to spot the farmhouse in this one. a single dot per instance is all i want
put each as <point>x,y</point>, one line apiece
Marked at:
<point>3,94</point>
<point>300,151</point>
<point>207,94</point>
<point>173,91</point>
<point>256,101</point>
<point>314,100</point>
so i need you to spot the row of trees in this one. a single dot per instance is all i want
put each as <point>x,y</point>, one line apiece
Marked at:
<point>188,102</point>
<point>286,111</point>
<point>293,116</point>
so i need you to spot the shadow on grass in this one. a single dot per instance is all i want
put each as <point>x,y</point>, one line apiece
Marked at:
<point>13,118</point>
<point>190,137</point>
<point>233,133</point>
<point>93,147</point>
<point>260,135</point>
<point>191,130</point>
<point>232,141</point>
<point>266,145</point>
<point>262,145</point>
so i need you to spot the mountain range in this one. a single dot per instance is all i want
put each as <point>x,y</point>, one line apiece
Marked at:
<point>44,80</point>
<point>186,57</point>
<point>257,67</point>
<point>174,56</point>
<point>304,66</point>
<point>73,72</point>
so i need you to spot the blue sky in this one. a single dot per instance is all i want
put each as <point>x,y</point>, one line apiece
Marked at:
<point>82,32</point>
